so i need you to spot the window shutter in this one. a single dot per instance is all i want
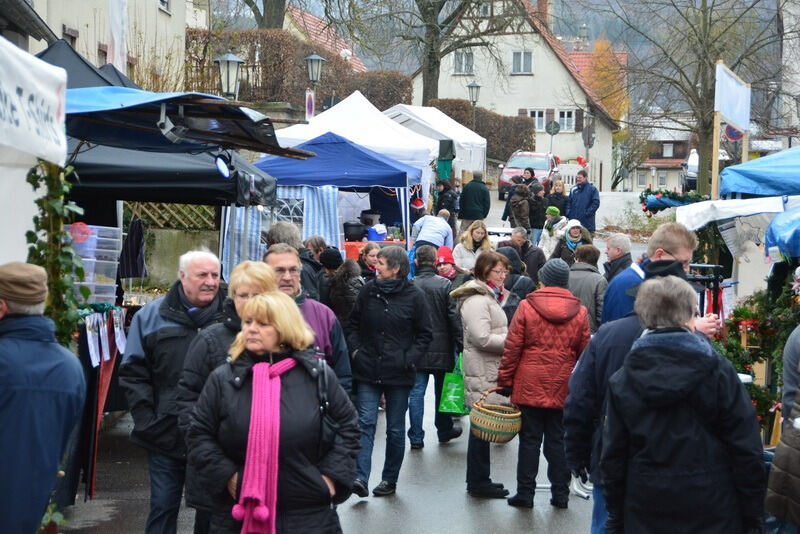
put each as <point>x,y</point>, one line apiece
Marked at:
<point>549,115</point>
<point>578,120</point>
<point>522,112</point>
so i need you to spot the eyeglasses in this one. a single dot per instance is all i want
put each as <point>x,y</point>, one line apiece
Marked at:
<point>685,263</point>
<point>293,271</point>
<point>499,272</point>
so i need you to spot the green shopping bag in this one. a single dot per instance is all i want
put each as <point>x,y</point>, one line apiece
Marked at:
<point>452,400</point>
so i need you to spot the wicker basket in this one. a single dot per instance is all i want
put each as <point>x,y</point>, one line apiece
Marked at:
<point>492,422</point>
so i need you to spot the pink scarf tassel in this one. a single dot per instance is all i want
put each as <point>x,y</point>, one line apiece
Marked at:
<point>257,501</point>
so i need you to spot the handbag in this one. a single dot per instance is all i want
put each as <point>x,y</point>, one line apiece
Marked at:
<point>452,400</point>
<point>329,427</point>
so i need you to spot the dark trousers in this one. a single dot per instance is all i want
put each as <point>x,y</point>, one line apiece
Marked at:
<point>538,423</point>
<point>478,466</point>
<point>166,488</point>
<point>416,407</point>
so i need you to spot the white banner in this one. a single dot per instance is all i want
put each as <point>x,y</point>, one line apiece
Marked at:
<point>732,98</point>
<point>118,34</point>
<point>32,101</point>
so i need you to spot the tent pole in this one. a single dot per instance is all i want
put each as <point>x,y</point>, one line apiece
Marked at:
<point>245,254</point>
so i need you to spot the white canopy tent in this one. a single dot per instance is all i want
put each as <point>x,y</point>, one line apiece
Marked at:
<point>431,122</point>
<point>359,121</point>
<point>32,101</point>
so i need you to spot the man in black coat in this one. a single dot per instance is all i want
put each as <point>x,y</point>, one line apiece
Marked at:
<point>475,201</point>
<point>618,252</point>
<point>531,255</point>
<point>439,358</point>
<point>159,337</point>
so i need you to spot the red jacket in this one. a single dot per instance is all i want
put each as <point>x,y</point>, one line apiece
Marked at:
<point>549,332</point>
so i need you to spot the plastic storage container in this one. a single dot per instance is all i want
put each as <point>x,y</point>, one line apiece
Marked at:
<point>103,272</point>
<point>101,293</point>
<point>99,249</point>
<point>376,233</point>
<point>103,232</point>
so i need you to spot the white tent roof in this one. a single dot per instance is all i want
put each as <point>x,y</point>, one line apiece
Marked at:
<point>359,121</point>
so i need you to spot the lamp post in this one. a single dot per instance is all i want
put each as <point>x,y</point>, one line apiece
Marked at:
<point>229,74</point>
<point>314,65</point>
<point>474,92</point>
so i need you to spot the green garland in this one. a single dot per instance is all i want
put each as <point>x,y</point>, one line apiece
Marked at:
<point>685,198</point>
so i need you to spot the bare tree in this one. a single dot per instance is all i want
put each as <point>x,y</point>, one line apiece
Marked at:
<point>430,29</point>
<point>674,46</point>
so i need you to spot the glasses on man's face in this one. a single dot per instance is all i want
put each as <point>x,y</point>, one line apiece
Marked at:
<point>499,272</point>
<point>685,263</point>
<point>291,271</point>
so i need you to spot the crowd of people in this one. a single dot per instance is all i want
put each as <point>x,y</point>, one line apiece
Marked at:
<point>262,401</point>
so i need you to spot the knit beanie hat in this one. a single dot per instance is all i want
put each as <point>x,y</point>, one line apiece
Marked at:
<point>536,187</point>
<point>331,258</point>
<point>555,273</point>
<point>553,211</point>
<point>445,255</point>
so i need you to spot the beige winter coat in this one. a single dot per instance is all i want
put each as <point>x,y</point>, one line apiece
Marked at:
<point>485,327</point>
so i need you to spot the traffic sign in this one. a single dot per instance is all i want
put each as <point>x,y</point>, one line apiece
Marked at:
<point>552,127</point>
<point>733,134</point>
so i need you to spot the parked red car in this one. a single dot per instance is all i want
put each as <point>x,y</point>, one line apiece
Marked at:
<point>544,165</point>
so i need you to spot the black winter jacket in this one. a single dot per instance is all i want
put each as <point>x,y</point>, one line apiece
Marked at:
<point>447,201</point>
<point>520,285</point>
<point>343,296</point>
<point>475,200</point>
<point>366,273</point>
<point>613,268</point>
<point>159,337</point>
<point>311,273</point>
<point>681,445</point>
<point>536,212</point>
<point>558,200</point>
<point>389,333</point>
<point>533,258</point>
<point>220,424</point>
<point>208,351</point>
<point>445,321</point>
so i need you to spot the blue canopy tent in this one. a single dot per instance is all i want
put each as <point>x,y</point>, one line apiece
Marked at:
<point>340,164</point>
<point>774,175</point>
<point>784,233</point>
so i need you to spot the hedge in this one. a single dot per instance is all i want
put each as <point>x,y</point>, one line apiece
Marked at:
<point>503,134</point>
<point>275,70</point>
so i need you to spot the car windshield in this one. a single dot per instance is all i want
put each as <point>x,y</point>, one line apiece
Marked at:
<point>538,163</point>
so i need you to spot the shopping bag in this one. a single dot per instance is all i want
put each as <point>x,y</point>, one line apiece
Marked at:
<point>452,400</point>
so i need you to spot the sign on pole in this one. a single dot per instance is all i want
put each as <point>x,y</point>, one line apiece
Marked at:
<point>309,104</point>
<point>552,128</point>
<point>731,102</point>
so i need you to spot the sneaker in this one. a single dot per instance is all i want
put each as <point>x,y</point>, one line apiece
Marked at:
<point>520,501</point>
<point>561,504</point>
<point>417,446</point>
<point>488,492</point>
<point>454,433</point>
<point>385,488</point>
<point>360,488</point>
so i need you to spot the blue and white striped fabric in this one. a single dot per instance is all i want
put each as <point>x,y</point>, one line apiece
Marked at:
<point>402,198</point>
<point>290,191</point>
<point>238,246</point>
<point>321,213</point>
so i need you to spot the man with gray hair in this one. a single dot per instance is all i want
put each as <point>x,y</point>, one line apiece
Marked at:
<point>618,252</point>
<point>159,336</point>
<point>288,233</point>
<point>532,256</point>
<point>42,390</point>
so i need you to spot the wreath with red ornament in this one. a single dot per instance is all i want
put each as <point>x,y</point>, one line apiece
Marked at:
<point>655,200</point>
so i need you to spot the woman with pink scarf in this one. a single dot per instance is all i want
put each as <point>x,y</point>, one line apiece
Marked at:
<point>259,417</point>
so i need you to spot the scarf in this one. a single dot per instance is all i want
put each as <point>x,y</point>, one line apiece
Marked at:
<point>389,286</point>
<point>199,316</point>
<point>498,291</point>
<point>549,225</point>
<point>573,242</point>
<point>257,502</point>
<point>449,274</point>
<point>476,245</point>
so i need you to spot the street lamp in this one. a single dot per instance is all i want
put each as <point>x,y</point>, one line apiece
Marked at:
<point>474,92</point>
<point>314,65</point>
<point>229,74</point>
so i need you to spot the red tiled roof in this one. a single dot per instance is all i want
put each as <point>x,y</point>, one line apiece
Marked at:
<point>564,57</point>
<point>583,60</point>
<point>323,34</point>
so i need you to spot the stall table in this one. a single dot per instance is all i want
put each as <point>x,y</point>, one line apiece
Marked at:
<point>353,248</point>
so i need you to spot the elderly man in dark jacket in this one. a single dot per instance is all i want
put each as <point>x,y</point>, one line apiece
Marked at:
<point>475,201</point>
<point>159,337</point>
<point>439,358</point>
<point>390,330</point>
<point>583,410</point>
<point>682,448</point>
<point>618,252</point>
<point>42,390</point>
<point>532,256</point>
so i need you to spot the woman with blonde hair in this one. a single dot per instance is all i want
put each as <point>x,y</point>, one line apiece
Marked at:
<point>259,438</point>
<point>558,197</point>
<point>210,349</point>
<point>472,242</point>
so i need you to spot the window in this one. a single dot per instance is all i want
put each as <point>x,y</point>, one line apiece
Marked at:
<point>566,120</point>
<point>164,4</point>
<point>662,178</point>
<point>538,118</point>
<point>522,63</point>
<point>462,62</point>
<point>70,35</point>
<point>641,180</point>
<point>486,10</point>
<point>102,54</point>
<point>667,150</point>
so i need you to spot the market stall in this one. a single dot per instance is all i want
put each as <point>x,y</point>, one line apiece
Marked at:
<point>470,148</point>
<point>340,164</point>
<point>773,175</point>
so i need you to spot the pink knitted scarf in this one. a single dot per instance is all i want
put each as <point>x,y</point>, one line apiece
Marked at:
<point>257,501</point>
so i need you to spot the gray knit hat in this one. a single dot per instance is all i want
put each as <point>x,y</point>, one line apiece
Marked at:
<point>555,273</point>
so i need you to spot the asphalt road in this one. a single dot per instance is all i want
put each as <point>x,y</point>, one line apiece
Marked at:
<point>431,496</point>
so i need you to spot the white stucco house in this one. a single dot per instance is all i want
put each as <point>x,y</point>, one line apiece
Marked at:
<point>535,77</point>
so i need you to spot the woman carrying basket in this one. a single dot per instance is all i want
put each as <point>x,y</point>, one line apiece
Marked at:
<point>545,339</point>
<point>485,326</point>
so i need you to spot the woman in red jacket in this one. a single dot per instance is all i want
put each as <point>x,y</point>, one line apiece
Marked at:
<point>545,339</point>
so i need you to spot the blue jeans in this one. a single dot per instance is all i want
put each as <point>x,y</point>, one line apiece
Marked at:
<point>536,233</point>
<point>369,395</point>
<point>166,488</point>
<point>599,512</point>
<point>416,408</point>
